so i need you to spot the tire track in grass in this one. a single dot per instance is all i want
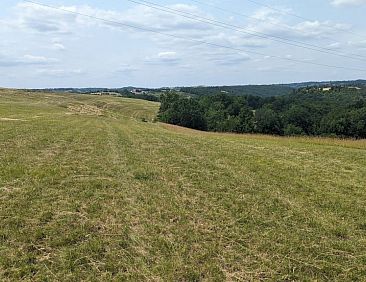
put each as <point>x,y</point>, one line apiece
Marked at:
<point>120,144</point>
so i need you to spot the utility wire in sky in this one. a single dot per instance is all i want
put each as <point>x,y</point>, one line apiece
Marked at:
<point>302,17</point>
<point>270,23</point>
<point>240,29</point>
<point>146,29</point>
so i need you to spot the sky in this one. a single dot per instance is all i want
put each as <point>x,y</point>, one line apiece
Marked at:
<point>148,43</point>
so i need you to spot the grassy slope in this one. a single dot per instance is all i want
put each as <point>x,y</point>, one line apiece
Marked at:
<point>92,192</point>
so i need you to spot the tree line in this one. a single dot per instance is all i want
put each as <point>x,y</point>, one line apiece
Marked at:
<point>340,112</point>
<point>239,90</point>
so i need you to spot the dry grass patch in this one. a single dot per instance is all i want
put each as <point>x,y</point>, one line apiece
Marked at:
<point>11,119</point>
<point>85,110</point>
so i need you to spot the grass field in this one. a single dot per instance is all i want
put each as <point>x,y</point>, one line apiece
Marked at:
<point>88,191</point>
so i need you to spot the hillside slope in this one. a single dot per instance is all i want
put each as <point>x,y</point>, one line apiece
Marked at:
<point>88,191</point>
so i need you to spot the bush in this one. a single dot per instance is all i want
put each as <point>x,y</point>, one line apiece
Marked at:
<point>293,130</point>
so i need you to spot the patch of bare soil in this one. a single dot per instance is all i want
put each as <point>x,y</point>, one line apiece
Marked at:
<point>11,119</point>
<point>85,110</point>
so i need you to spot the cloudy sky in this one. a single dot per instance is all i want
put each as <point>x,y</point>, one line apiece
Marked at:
<point>248,43</point>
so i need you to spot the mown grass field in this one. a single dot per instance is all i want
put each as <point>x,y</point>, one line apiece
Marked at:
<point>88,191</point>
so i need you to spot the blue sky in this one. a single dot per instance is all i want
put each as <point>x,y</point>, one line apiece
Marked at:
<point>42,47</point>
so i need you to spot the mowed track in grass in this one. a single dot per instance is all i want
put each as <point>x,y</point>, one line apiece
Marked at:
<point>88,191</point>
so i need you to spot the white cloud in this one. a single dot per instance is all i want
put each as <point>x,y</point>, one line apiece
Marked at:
<point>339,3</point>
<point>9,61</point>
<point>225,58</point>
<point>59,72</point>
<point>335,45</point>
<point>38,59</point>
<point>167,55</point>
<point>236,39</point>
<point>273,22</point>
<point>271,15</point>
<point>358,44</point>
<point>58,46</point>
<point>44,19</point>
<point>317,29</point>
<point>127,69</point>
<point>168,58</point>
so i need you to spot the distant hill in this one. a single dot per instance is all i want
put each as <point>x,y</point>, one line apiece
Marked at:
<point>357,83</point>
<point>237,90</point>
<point>254,90</point>
<point>267,90</point>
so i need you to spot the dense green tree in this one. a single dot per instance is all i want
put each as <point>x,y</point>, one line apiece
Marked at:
<point>178,110</point>
<point>267,121</point>
<point>246,122</point>
<point>215,118</point>
<point>299,117</point>
<point>293,130</point>
<point>191,114</point>
<point>357,123</point>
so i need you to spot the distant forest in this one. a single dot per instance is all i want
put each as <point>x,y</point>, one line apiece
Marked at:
<point>266,90</point>
<point>337,111</point>
<point>254,90</point>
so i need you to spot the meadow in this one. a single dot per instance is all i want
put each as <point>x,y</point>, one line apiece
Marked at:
<point>93,189</point>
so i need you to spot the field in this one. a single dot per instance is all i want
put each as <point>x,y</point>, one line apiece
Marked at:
<point>91,188</point>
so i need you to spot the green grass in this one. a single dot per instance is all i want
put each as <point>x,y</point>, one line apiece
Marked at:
<point>88,191</point>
